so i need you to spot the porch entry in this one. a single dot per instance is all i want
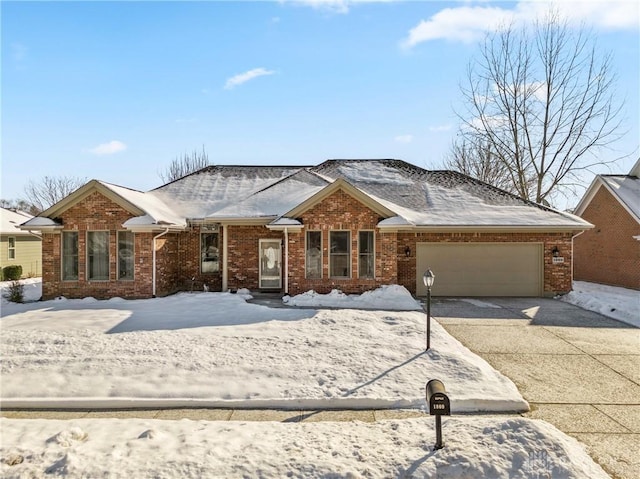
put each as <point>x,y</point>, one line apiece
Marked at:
<point>270,255</point>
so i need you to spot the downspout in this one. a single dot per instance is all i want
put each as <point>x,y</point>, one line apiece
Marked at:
<point>225,259</point>
<point>39,236</point>
<point>286,261</point>
<point>153,271</point>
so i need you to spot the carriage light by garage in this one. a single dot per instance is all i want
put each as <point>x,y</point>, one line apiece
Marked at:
<point>439,406</point>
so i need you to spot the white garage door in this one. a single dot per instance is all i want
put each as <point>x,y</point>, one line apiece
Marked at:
<point>481,269</point>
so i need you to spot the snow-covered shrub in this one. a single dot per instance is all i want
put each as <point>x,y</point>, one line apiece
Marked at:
<point>15,292</point>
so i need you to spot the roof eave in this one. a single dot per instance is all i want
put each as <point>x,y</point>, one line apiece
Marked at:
<point>486,228</point>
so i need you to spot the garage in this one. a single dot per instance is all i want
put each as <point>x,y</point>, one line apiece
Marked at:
<point>481,269</point>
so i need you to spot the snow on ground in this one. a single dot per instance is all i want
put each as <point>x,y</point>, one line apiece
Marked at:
<point>215,349</point>
<point>617,303</point>
<point>32,288</point>
<point>387,297</point>
<point>475,447</point>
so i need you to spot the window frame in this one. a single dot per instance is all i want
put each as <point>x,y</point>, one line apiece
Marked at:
<point>348,254</point>
<point>11,250</point>
<point>202,234</point>
<point>88,254</point>
<point>306,255</point>
<point>371,254</point>
<point>133,255</point>
<point>63,255</point>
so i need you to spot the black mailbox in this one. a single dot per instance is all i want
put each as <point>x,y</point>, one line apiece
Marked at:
<point>438,399</point>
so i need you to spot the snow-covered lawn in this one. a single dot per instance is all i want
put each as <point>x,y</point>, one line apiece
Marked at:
<point>215,349</point>
<point>617,303</point>
<point>475,447</point>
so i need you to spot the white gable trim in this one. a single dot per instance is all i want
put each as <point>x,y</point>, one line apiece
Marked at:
<point>591,192</point>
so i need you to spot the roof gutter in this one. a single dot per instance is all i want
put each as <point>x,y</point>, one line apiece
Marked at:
<point>484,228</point>
<point>153,271</point>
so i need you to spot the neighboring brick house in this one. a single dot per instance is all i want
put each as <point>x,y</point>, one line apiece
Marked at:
<point>19,247</point>
<point>610,252</point>
<point>352,225</point>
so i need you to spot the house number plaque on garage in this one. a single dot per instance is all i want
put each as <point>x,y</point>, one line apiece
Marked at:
<point>558,259</point>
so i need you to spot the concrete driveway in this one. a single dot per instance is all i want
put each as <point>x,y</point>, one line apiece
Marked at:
<point>579,370</point>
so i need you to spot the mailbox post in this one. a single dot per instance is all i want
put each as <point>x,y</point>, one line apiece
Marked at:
<point>439,406</point>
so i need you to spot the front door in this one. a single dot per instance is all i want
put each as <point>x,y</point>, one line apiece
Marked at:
<point>270,264</point>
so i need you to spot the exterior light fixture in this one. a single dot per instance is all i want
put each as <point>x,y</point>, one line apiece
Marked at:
<point>407,251</point>
<point>555,252</point>
<point>428,278</point>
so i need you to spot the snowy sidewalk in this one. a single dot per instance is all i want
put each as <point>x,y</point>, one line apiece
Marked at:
<point>197,414</point>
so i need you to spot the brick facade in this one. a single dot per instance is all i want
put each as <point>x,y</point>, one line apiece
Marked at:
<point>341,212</point>
<point>557,277</point>
<point>178,254</point>
<point>95,213</point>
<point>608,253</point>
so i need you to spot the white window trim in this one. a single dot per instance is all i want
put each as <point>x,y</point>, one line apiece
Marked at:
<point>350,273</point>
<point>133,247</point>
<point>306,238</point>
<point>87,268</point>
<point>11,248</point>
<point>373,253</point>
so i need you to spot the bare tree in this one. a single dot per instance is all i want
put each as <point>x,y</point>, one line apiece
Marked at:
<point>184,165</point>
<point>474,157</point>
<point>19,205</point>
<point>50,189</point>
<point>541,99</point>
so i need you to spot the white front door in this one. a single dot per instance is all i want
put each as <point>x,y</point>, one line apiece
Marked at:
<point>270,255</point>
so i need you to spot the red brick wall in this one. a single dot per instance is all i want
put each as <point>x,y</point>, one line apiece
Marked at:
<point>243,251</point>
<point>178,254</point>
<point>341,211</point>
<point>557,277</point>
<point>181,263</point>
<point>608,254</point>
<point>95,213</point>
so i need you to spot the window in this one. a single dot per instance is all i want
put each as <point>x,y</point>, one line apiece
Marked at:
<point>98,255</point>
<point>209,252</point>
<point>339,257</point>
<point>366,254</point>
<point>314,254</point>
<point>12,248</point>
<point>70,255</point>
<point>125,255</point>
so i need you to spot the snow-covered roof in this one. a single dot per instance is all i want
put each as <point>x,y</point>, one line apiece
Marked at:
<point>444,199</point>
<point>211,190</point>
<point>404,195</point>
<point>156,211</point>
<point>10,221</point>
<point>625,188</point>
<point>276,199</point>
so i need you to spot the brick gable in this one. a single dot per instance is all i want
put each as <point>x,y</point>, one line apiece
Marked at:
<point>608,253</point>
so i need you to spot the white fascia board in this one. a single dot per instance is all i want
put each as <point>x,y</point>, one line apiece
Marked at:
<point>485,229</point>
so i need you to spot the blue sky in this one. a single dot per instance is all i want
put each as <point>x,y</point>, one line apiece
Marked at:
<point>116,90</point>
